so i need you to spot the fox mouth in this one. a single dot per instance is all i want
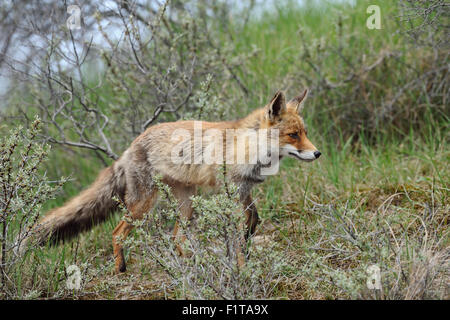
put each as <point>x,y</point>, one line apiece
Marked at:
<point>298,156</point>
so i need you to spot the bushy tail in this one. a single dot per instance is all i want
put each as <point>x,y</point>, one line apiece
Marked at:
<point>90,207</point>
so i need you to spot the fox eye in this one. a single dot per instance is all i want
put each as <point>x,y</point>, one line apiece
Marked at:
<point>293,135</point>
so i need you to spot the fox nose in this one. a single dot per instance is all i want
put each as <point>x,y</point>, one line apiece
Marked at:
<point>317,154</point>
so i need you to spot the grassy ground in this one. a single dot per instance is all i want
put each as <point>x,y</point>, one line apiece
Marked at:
<point>383,201</point>
<point>393,199</point>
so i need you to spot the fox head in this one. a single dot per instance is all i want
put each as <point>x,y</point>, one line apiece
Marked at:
<point>285,117</point>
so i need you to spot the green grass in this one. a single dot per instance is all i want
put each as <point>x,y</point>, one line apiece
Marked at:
<point>282,34</point>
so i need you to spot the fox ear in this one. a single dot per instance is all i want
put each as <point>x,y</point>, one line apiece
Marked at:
<point>297,103</point>
<point>276,106</point>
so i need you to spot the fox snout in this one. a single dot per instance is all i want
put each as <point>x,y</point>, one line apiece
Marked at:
<point>305,155</point>
<point>304,151</point>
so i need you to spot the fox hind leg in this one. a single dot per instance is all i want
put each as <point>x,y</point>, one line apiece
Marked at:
<point>119,234</point>
<point>137,209</point>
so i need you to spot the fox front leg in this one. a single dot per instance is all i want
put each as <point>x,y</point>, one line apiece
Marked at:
<point>251,216</point>
<point>251,221</point>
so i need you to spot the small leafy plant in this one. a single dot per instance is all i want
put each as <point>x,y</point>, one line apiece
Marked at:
<point>23,191</point>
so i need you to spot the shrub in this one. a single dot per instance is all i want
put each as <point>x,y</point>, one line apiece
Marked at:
<point>23,190</point>
<point>211,269</point>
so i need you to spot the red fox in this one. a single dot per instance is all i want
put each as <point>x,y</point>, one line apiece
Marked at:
<point>166,150</point>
